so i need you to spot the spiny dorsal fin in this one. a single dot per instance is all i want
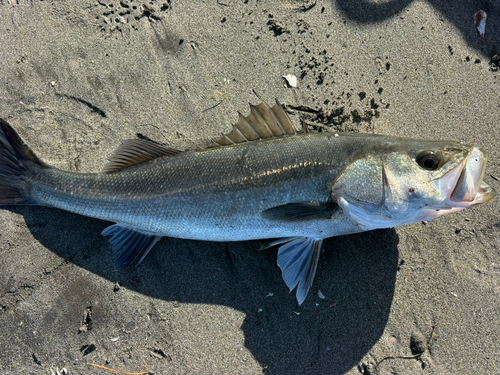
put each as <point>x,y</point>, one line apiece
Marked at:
<point>305,129</point>
<point>283,119</point>
<point>136,151</point>
<point>247,128</point>
<point>262,122</point>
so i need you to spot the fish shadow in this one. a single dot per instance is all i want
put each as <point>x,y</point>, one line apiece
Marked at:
<point>343,316</point>
<point>459,13</point>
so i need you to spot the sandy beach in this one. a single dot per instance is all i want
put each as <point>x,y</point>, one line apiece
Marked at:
<point>78,77</point>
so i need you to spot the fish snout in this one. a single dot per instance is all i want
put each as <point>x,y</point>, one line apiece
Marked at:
<point>470,186</point>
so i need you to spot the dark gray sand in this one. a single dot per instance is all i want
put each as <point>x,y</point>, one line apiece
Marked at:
<point>77,77</point>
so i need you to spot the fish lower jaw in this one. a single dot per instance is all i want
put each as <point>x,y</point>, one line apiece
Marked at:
<point>485,194</point>
<point>429,214</point>
<point>369,221</point>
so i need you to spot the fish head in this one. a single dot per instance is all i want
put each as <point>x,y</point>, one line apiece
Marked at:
<point>408,180</point>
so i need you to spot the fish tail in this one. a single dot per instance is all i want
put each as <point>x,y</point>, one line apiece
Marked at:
<point>16,159</point>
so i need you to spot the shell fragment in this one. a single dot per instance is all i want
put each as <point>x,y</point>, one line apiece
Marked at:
<point>291,80</point>
<point>480,21</point>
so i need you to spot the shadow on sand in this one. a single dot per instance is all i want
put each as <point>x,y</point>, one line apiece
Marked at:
<point>356,274</point>
<point>459,13</point>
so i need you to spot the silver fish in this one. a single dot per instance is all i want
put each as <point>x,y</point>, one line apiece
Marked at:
<point>264,180</point>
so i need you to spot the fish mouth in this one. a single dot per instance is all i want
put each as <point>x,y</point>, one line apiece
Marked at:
<point>470,189</point>
<point>485,193</point>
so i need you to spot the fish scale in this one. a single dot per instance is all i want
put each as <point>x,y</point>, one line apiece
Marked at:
<point>203,189</point>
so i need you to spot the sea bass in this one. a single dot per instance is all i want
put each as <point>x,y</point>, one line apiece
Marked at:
<point>264,180</point>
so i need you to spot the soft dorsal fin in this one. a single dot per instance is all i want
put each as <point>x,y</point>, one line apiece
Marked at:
<point>262,122</point>
<point>136,151</point>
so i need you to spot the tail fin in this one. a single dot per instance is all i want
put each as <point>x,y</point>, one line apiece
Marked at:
<point>15,159</point>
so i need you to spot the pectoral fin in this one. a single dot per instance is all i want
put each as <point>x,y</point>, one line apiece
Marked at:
<point>129,246</point>
<point>298,260</point>
<point>301,211</point>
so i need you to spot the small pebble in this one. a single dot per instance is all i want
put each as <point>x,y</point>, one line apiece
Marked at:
<point>417,343</point>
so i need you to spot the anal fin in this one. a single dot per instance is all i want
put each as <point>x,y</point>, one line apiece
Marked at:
<point>298,260</point>
<point>129,247</point>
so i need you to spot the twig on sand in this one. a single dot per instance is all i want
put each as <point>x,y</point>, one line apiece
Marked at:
<point>120,372</point>
<point>219,103</point>
<point>217,91</point>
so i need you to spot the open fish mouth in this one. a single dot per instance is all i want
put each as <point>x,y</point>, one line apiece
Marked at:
<point>469,189</point>
<point>485,193</point>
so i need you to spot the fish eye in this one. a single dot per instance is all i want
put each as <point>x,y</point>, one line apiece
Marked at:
<point>428,160</point>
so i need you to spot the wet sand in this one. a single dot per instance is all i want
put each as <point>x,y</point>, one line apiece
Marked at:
<point>78,77</point>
